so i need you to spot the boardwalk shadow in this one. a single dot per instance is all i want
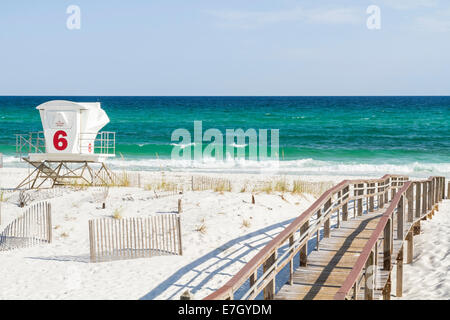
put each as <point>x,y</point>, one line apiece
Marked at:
<point>240,246</point>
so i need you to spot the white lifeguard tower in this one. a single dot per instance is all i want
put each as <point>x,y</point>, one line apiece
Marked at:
<point>68,147</point>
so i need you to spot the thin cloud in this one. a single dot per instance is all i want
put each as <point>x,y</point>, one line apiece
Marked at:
<point>410,4</point>
<point>433,24</point>
<point>255,19</point>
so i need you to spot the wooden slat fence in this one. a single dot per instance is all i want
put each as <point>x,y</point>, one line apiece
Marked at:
<point>32,228</point>
<point>202,183</point>
<point>130,238</point>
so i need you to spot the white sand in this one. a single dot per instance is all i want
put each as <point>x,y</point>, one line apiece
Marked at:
<point>428,277</point>
<point>62,270</point>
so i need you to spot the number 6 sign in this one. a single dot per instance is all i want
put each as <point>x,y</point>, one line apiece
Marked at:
<point>59,142</point>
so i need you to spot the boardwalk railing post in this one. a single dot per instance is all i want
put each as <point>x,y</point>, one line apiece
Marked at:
<point>410,200</point>
<point>269,290</point>
<point>387,246</point>
<point>399,280</point>
<point>369,278</point>
<point>345,206</point>
<point>291,262</point>
<point>387,289</point>
<point>418,198</point>
<point>326,225</point>
<point>360,200</point>
<point>371,199</point>
<point>386,190</point>
<point>410,247</point>
<point>400,218</point>
<point>304,249</point>
<point>448,191</point>
<point>318,230</point>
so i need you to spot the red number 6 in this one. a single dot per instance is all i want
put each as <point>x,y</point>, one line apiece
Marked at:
<point>58,142</point>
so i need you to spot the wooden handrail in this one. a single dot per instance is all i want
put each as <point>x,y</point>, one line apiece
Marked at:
<point>323,207</point>
<point>434,194</point>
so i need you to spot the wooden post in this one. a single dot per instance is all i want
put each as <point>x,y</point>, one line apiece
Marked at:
<point>318,231</point>
<point>410,200</point>
<point>269,290</point>
<point>399,281</point>
<point>253,199</point>
<point>387,246</point>
<point>345,206</point>
<point>429,192</point>
<point>418,198</point>
<point>304,249</point>
<point>253,278</point>
<point>448,191</point>
<point>291,263</point>
<point>187,296</point>
<point>369,278</point>
<point>387,289</point>
<point>345,212</point>
<point>338,212</point>
<point>180,209</point>
<point>424,198</point>
<point>326,225</point>
<point>400,218</point>
<point>371,199</point>
<point>417,228</point>
<point>360,200</point>
<point>410,247</point>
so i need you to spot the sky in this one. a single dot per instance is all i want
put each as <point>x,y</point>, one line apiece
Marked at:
<point>228,47</point>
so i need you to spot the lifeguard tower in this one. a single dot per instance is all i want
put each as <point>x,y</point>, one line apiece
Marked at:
<point>70,147</point>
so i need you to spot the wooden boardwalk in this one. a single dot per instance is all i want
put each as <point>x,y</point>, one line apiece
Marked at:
<point>328,267</point>
<point>355,257</point>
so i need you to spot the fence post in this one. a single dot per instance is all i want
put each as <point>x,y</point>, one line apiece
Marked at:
<point>179,206</point>
<point>326,226</point>
<point>410,247</point>
<point>179,236</point>
<point>410,200</point>
<point>369,278</point>
<point>424,197</point>
<point>345,206</point>
<point>269,290</point>
<point>400,273</point>
<point>387,245</point>
<point>304,249</point>
<point>418,197</point>
<point>371,199</point>
<point>360,200</point>
<point>49,222</point>
<point>318,230</point>
<point>187,295</point>
<point>448,191</point>
<point>400,217</point>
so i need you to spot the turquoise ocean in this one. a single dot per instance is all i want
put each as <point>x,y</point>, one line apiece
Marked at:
<point>317,135</point>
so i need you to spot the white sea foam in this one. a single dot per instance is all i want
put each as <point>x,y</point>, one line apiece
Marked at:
<point>182,146</point>
<point>303,166</point>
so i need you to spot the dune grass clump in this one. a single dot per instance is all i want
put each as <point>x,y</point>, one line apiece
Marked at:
<point>281,185</point>
<point>267,187</point>
<point>246,223</point>
<point>2,197</point>
<point>117,214</point>
<point>222,185</point>
<point>201,228</point>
